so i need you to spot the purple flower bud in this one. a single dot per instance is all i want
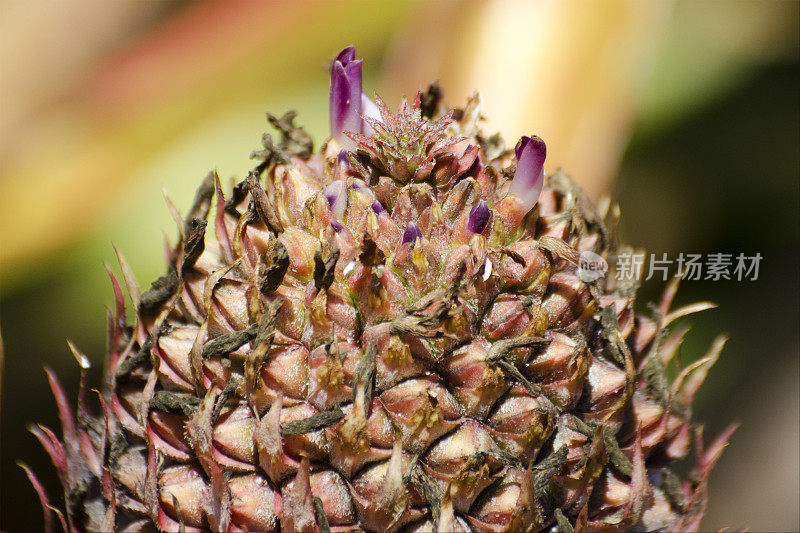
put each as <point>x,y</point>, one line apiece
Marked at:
<point>345,97</point>
<point>377,207</point>
<point>336,194</point>
<point>411,234</point>
<point>529,176</point>
<point>337,226</point>
<point>479,217</point>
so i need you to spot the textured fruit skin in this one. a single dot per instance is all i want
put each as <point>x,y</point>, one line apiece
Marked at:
<point>346,354</point>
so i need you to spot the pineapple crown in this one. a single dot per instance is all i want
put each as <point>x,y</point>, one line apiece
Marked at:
<point>408,146</point>
<point>405,145</point>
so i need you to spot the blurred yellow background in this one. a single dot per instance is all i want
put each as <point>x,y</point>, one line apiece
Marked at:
<point>692,105</point>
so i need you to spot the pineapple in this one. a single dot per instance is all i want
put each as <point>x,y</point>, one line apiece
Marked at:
<point>392,333</point>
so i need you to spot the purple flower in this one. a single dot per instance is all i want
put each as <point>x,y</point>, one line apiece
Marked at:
<point>336,194</point>
<point>479,217</point>
<point>337,226</point>
<point>411,234</point>
<point>345,100</point>
<point>529,176</point>
<point>377,207</point>
<point>348,104</point>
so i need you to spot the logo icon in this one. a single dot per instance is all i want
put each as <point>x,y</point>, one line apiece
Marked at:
<point>591,267</point>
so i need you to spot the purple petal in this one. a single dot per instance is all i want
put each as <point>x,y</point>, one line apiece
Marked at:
<point>336,194</point>
<point>411,234</point>
<point>345,97</point>
<point>340,91</point>
<point>346,55</point>
<point>377,207</point>
<point>521,144</point>
<point>353,72</point>
<point>479,217</point>
<point>529,176</point>
<point>342,161</point>
<point>337,226</point>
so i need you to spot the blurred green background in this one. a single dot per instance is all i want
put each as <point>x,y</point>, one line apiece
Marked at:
<point>685,112</point>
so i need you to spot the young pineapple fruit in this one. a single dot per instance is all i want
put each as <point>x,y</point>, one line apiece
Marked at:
<point>392,334</point>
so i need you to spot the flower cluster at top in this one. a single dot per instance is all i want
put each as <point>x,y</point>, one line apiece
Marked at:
<point>354,116</point>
